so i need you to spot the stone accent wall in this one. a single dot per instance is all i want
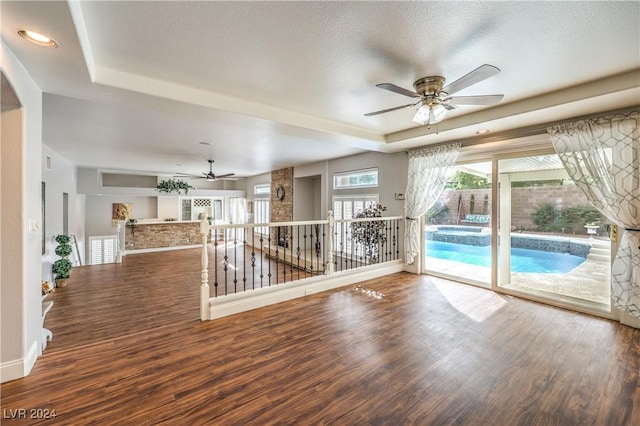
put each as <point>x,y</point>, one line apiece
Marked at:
<point>281,211</point>
<point>169,234</point>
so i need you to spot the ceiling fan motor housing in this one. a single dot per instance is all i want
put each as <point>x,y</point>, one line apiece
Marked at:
<point>429,85</point>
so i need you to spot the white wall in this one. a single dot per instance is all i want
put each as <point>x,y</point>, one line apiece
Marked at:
<point>304,197</point>
<point>20,286</point>
<point>99,211</point>
<point>60,179</point>
<point>168,206</point>
<point>392,177</point>
<point>319,171</point>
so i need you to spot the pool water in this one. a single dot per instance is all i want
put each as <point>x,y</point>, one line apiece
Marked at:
<point>522,260</point>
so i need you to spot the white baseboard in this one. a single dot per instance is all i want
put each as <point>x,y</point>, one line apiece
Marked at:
<point>627,319</point>
<point>223,306</point>
<point>155,249</point>
<point>19,368</point>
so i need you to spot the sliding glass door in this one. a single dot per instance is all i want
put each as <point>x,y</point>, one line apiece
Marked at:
<point>458,227</point>
<point>549,244</point>
<point>552,243</point>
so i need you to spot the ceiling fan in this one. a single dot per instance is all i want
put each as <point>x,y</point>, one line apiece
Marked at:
<point>434,98</point>
<point>210,177</point>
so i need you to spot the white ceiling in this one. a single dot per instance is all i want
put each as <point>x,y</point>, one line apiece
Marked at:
<point>138,86</point>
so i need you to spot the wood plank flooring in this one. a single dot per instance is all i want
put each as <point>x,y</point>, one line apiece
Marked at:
<point>405,349</point>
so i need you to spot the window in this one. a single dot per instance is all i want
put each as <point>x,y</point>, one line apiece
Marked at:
<point>346,207</point>
<point>262,189</point>
<point>261,214</point>
<point>103,249</point>
<point>366,178</point>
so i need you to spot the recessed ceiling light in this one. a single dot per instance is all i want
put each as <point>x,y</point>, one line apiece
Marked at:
<point>37,38</point>
<point>482,132</point>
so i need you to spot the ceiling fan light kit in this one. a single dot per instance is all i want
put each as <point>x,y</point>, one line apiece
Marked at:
<point>434,98</point>
<point>430,114</point>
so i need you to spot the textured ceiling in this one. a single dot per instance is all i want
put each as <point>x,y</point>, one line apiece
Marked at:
<point>276,84</point>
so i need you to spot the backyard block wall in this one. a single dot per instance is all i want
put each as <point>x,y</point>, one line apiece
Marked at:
<point>524,202</point>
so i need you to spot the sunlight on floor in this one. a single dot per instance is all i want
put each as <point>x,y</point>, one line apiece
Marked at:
<point>476,303</point>
<point>373,293</point>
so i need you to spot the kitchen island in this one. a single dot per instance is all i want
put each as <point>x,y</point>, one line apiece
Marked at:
<point>146,236</point>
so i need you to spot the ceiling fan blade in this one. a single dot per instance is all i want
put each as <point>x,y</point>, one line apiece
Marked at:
<point>224,176</point>
<point>475,100</point>
<point>369,114</point>
<point>398,89</point>
<point>475,76</point>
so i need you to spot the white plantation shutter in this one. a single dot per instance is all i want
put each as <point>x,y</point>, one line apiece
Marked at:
<point>103,249</point>
<point>346,207</point>
<point>261,214</point>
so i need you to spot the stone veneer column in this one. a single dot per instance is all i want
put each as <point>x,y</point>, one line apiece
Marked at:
<point>281,211</point>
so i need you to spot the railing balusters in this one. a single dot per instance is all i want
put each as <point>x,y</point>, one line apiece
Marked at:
<point>244,263</point>
<point>292,251</point>
<point>269,264</point>
<point>215,272</point>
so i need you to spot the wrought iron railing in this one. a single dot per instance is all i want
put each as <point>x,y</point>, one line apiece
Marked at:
<point>246,257</point>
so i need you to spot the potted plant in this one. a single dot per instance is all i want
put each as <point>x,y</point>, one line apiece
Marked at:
<point>62,267</point>
<point>173,185</point>
<point>592,228</point>
<point>370,233</point>
<point>131,223</point>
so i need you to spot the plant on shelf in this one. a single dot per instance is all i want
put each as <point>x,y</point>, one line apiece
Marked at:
<point>62,267</point>
<point>370,233</point>
<point>131,223</point>
<point>174,185</point>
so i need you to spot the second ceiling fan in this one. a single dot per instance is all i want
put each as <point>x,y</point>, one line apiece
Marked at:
<point>210,177</point>
<point>435,100</point>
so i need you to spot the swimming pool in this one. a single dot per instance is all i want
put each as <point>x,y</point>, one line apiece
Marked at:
<point>522,260</point>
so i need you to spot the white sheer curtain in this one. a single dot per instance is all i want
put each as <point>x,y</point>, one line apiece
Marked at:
<point>602,157</point>
<point>429,170</point>
<point>237,215</point>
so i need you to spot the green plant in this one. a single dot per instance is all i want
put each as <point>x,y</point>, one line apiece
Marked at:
<point>131,223</point>
<point>62,267</point>
<point>544,216</point>
<point>436,214</point>
<point>370,233</point>
<point>462,180</point>
<point>572,219</point>
<point>174,185</point>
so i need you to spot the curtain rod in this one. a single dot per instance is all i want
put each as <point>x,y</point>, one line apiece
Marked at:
<point>533,130</point>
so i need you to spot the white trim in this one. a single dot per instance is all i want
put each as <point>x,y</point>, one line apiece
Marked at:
<point>155,249</point>
<point>258,186</point>
<point>19,368</point>
<point>351,173</point>
<point>241,302</point>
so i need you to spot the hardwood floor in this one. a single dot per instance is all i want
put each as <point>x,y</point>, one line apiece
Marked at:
<point>129,349</point>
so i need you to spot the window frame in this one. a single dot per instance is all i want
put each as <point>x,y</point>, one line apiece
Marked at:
<point>262,189</point>
<point>356,174</point>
